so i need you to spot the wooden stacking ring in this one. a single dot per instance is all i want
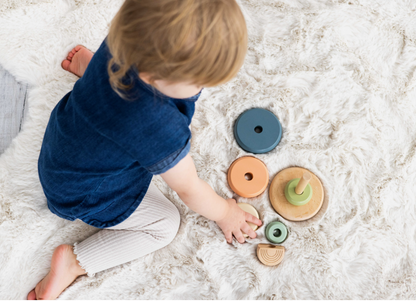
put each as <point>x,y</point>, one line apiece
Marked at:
<point>276,232</point>
<point>248,177</point>
<point>257,131</point>
<point>297,199</point>
<point>269,254</point>
<point>284,207</point>
<point>250,209</point>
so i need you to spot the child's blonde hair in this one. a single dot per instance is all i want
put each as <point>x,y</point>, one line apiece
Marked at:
<point>203,42</point>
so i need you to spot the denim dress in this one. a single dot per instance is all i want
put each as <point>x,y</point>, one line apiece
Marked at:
<point>99,151</point>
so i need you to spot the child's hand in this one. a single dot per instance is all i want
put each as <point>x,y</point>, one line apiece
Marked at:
<point>235,222</point>
<point>201,198</point>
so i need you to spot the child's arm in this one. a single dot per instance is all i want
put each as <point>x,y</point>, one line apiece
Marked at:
<point>201,198</point>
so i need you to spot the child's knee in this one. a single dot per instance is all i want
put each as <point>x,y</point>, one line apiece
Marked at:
<point>164,230</point>
<point>172,223</point>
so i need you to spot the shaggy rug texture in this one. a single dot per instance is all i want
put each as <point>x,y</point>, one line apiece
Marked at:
<point>340,76</point>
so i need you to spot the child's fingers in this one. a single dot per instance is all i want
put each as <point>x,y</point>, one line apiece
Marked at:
<point>252,219</point>
<point>239,236</point>
<point>248,230</point>
<point>228,236</point>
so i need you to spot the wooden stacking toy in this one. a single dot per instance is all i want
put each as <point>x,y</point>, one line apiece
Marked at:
<point>257,131</point>
<point>250,209</point>
<point>269,254</point>
<point>276,232</point>
<point>248,177</point>
<point>296,194</point>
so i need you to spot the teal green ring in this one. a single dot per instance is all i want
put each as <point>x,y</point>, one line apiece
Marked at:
<point>297,199</point>
<point>270,232</point>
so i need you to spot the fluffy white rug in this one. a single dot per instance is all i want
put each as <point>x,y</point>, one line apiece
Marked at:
<point>339,75</point>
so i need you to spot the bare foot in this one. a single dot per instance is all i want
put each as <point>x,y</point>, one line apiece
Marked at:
<point>64,270</point>
<point>77,60</point>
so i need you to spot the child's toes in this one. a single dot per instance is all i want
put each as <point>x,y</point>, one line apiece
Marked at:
<point>78,48</point>
<point>65,64</point>
<point>31,295</point>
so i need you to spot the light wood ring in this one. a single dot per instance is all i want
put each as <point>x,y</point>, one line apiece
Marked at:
<point>253,211</point>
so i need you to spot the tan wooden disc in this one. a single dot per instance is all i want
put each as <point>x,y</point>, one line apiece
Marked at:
<point>250,209</point>
<point>270,254</point>
<point>286,209</point>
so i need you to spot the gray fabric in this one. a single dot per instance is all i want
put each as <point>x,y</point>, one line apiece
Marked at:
<point>152,226</point>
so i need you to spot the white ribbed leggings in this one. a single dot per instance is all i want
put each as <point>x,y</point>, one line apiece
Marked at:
<point>152,226</point>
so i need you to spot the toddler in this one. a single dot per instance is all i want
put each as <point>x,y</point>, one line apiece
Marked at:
<point>127,119</point>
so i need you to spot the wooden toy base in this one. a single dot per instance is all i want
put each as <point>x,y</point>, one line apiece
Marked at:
<point>286,209</point>
<point>269,254</point>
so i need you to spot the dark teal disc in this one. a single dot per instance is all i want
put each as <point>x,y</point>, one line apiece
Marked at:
<point>257,131</point>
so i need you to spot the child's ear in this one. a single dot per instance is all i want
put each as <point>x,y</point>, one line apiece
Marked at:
<point>144,76</point>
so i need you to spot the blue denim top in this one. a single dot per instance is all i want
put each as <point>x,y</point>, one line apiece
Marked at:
<point>100,151</point>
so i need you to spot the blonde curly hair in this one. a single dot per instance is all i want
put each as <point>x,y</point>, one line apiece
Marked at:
<point>202,42</point>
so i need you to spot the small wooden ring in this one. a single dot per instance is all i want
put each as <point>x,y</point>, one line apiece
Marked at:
<point>248,177</point>
<point>297,199</point>
<point>280,236</point>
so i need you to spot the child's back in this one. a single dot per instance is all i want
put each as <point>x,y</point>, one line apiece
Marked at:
<point>99,148</point>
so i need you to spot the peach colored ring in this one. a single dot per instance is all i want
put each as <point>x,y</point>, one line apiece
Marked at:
<point>248,177</point>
